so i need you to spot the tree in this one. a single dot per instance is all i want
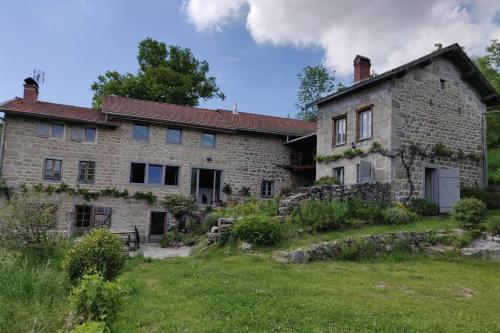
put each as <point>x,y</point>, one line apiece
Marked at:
<point>489,65</point>
<point>167,73</point>
<point>314,83</point>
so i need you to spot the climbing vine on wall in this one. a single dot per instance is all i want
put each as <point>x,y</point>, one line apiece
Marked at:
<point>407,154</point>
<point>88,195</point>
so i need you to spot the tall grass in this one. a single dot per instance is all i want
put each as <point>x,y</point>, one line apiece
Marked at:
<point>320,215</point>
<point>33,293</point>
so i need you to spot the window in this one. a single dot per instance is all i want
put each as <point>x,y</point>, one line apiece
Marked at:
<point>57,131</point>
<point>171,175</point>
<point>364,172</point>
<point>50,130</point>
<point>141,132</point>
<point>86,171</point>
<point>174,135</point>
<point>442,84</point>
<point>365,124</point>
<point>208,140</point>
<point>137,173</point>
<point>154,174</point>
<point>338,173</point>
<point>83,134</point>
<point>267,189</point>
<point>83,216</point>
<point>90,134</point>
<point>52,169</point>
<point>339,135</point>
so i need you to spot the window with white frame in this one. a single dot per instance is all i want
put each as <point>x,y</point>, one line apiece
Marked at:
<point>86,171</point>
<point>267,189</point>
<point>365,124</point>
<point>83,134</point>
<point>83,216</point>
<point>340,131</point>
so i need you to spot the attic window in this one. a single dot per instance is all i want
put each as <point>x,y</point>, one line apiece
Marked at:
<point>442,83</point>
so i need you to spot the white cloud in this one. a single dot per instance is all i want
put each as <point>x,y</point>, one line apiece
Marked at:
<point>390,32</point>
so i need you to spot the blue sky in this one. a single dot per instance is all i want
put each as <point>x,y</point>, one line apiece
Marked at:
<point>75,41</point>
<point>255,48</point>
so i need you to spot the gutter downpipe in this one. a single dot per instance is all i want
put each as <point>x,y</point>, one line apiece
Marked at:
<point>2,145</point>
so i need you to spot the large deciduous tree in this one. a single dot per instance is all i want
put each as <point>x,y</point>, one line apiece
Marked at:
<point>314,83</point>
<point>167,73</point>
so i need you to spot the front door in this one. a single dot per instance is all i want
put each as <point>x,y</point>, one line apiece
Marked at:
<point>158,226</point>
<point>449,189</point>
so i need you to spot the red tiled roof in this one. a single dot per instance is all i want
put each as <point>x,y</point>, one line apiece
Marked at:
<point>55,111</point>
<point>193,116</point>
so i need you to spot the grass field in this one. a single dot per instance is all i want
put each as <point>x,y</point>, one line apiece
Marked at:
<point>228,291</point>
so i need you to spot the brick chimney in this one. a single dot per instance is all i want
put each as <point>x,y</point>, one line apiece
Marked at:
<point>362,68</point>
<point>30,91</point>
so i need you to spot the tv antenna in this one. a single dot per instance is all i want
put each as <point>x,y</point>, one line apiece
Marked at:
<point>38,76</point>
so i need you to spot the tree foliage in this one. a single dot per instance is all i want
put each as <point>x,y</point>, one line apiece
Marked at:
<point>314,83</point>
<point>489,65</point>
<point>167,73</point>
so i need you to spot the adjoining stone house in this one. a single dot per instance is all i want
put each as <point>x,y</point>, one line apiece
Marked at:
<point>435,104</point>
<point>143,146</point>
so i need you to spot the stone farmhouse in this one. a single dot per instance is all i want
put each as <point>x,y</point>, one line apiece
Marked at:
<point>419,127</point>
<point>423,121</point>
<point>143,146</point>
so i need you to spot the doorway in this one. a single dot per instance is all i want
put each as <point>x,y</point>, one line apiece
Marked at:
<point>206,186</point>
<point>431,185</point>
<point>442,186</point>
<point>158,226</point>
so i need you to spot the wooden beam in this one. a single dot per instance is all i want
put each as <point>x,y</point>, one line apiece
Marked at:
<point>468,74</point>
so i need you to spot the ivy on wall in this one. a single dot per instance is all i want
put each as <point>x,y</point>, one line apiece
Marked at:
<point>88,195</point>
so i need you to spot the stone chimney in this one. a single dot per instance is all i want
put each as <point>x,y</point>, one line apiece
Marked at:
<point>30,91</point>
<point>362,68</point>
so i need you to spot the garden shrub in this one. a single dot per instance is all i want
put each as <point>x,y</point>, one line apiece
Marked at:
<point>481,194</point>
<point>321,215</point>
<point>423,207</point>
<point>26,225</point>
<point>175,238</point>
<point>251,206</point>
<point>367,212</point>
<point>397,215</point>
<point>100,251</point>
<point>91,327</point>
<point>211,220</point>
<point>493,225</point>
<point>94,298</point>
<point>326,180</point>
<point>258,230</point>
<point>469,212</point>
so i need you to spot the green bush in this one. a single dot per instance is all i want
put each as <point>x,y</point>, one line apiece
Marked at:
<point>175,238</point>
<point>94,298</point>
<point>481,194</point>
<point>397,215</point>
<point>211,220</point>
<point>493,225</point>
<point>367,212</point>
<point>423,207</point>
<point>91,327</point>
<point>251,206</point>
<point>326,180</point>
<point>469,212</point>
<point>321,215</point>
<point>26,222</point>
<point>258,230</point>
<point>100,251</point>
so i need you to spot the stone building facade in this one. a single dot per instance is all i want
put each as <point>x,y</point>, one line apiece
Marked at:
<point>241,157</point>
<point>439,99</point>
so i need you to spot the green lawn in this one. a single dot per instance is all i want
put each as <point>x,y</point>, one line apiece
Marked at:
<point>250,293</point>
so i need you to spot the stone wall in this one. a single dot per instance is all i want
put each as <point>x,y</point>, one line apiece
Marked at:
<point>370,192</point>
<point>367,247</point>
<point>245,160</point>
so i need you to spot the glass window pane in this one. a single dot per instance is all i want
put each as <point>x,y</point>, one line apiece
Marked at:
<point>77,133</point>
<point>57,130</point>
<point>141,132</point>
<point>90,134</point>
<point>43,130</point>
<point>137,173</point>
<point>208,140</point>
<point>172,175</point>
<point>174,135</point>
<point>154,174</point>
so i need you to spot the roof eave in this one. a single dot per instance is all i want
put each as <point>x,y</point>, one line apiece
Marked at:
<point>69,119</point>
